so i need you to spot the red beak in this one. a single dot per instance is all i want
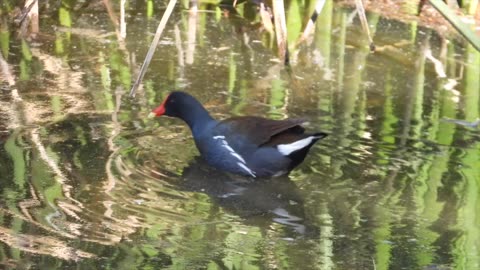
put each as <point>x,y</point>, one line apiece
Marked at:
<point>160,110</point>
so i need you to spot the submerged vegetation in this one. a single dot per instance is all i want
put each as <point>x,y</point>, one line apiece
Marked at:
<point>87,181</point>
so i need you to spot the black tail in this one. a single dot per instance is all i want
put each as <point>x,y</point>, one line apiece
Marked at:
<point>298,156</point>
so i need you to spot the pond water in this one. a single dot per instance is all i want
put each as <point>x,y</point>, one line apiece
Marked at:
<point>88,182</point>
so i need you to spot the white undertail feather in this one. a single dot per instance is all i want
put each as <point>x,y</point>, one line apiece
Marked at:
<point>287,149</point>
<point>242,164</point>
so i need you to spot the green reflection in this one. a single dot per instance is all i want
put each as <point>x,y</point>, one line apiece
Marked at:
<point>393,187</point>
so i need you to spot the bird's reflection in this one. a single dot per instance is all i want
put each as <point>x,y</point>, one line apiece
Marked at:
<point>259,202</point>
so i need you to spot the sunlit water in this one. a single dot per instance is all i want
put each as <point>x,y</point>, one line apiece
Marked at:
<point>87,181</point>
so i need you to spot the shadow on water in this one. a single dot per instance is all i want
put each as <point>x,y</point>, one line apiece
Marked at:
<point>258,202</point>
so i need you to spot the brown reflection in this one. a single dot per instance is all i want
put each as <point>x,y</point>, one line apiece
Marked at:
<point>6,72</point>
<point>24,112</point>
<point>43,245</point>
<point>28,16</point>
<point>178,44</point>
<point>11,109</point>
<point>38,224</point>
<point>123,24</point>
<point>61,177</point>
<point>110,183</point>
<point>27,111</point>
<point>68,85</point>
<point>120,25</point>
<point>27,204</point>
<point>192,32</point>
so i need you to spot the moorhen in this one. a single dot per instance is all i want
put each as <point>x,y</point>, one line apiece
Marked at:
<point>248,145</point>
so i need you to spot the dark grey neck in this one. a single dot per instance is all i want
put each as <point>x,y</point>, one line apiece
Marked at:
<point>196,117</point>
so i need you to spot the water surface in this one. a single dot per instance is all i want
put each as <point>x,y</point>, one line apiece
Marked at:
<point>88,182</point>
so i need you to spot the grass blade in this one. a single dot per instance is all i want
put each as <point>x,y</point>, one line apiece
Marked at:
<point>281,29</point>
<point>464,30</point>
<point>363,20</point>
<point>153,45</point>
<point>311,23</point>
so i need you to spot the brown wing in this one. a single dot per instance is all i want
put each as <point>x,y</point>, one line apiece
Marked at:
<point>260,130</point>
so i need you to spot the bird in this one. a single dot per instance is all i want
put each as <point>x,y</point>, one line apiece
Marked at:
<point>250,146</point>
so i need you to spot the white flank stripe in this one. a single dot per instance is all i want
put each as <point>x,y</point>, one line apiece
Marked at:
<point>246,169</point>
<point>287,149</point>
<point>232,152</point>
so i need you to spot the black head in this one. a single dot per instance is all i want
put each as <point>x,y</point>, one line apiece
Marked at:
<point>177,104</point>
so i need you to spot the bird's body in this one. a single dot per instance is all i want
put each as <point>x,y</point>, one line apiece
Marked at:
<point>250,146</point>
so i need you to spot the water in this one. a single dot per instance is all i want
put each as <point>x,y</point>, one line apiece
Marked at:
<point>88,182</point>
